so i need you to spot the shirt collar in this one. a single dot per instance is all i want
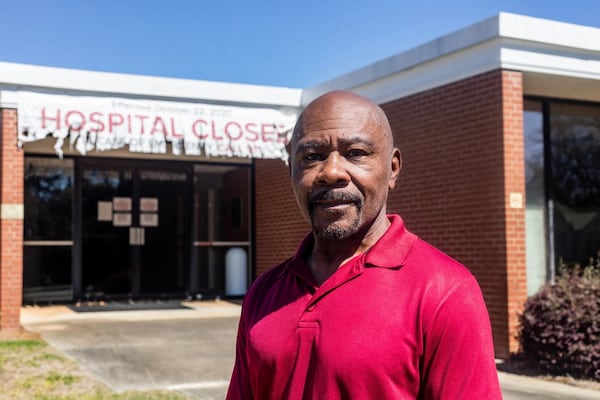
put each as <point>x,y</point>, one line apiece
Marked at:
<point>390,251</point>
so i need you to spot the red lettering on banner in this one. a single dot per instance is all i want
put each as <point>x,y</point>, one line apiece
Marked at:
<point>158,123</point>
<point>100,125</point>
<point>46,118</point>
<point>225,134</point>
<point>250,128</point>
<point>142,118</point>
<point>240,132</point>
<point>174,132</point>
<point>214,131</point>
<point>114,120</point>
<point>73,126</point>
<point>198,125</point>
<point>267,131</point>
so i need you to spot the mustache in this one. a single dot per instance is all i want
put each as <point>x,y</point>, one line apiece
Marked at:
<point>333,195</point>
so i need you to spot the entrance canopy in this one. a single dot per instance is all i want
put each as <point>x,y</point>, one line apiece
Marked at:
<point>102,123</point>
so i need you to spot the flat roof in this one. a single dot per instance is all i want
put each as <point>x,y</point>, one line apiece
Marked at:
<point>15,76</point>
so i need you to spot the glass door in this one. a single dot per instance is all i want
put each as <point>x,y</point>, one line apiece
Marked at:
<point>107,256</point>
<point>162,204</point>
<point>222,208</point>
<point>133,229</point>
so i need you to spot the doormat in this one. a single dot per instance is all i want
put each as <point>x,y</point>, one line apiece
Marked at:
<point>94,306</point>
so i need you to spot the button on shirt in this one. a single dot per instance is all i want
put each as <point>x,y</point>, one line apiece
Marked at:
<point>401,321</point>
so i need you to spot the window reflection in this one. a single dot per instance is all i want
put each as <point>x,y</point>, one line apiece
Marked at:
<point>48,198</point>
<point>222,212</point>
<point>47,273</point>
<point>222,201</point>
<point>575,143</point>
<point>535,222</point>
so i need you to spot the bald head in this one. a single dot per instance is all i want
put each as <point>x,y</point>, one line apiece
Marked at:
<point>342,165</point>
<point>343,105</point>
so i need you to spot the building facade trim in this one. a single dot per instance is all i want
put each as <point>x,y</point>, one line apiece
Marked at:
<point>62,80</point>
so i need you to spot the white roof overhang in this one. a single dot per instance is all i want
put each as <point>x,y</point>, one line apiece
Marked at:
<point>14,77</point>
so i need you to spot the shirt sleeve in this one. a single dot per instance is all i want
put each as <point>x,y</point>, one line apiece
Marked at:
<point>458,354</point>
<point>239,386</point>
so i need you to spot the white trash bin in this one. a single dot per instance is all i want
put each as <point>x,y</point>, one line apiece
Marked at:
<point>236,272</point>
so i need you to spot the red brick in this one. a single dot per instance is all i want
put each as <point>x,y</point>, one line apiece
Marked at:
<point>11,231</point>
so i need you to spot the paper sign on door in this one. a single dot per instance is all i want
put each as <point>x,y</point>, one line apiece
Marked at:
<point>122,219</point>
<point>105,211</point>
<point>148,204</point>
<point>148,219</point>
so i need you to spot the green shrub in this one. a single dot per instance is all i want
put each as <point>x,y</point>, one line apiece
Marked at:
<point>560,326</point>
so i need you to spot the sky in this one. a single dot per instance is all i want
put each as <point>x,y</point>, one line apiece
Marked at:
<point>294,44</point>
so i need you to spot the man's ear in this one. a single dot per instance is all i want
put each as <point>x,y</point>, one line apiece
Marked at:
<point>395,167</point>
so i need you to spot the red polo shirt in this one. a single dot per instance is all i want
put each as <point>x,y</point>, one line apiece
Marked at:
<point>402,321</point>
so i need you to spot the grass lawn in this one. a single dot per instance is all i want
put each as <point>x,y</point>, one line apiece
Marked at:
<point>30,369</point>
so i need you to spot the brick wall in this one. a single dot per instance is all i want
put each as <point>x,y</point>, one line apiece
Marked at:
<point>11,223</point>
<point>514,182</point>
<point>279,225</point>
<point>462,146</point>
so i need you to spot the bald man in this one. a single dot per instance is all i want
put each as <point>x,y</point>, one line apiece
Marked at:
<point>364,309</point>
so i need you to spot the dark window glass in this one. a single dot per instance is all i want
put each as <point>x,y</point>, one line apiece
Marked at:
<point>222,220</point>
<point>48,198</point>
<point>222,201</point>
<point>48,229</point>
<point>575,171</point>
<point>47,273</point>
<point>105,247</point>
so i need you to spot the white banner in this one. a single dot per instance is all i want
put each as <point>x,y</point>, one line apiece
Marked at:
<point>146,126</point>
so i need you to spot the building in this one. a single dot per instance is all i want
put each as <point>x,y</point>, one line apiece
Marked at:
<point>127,186</point>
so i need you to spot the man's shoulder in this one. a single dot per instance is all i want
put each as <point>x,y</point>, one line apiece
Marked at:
<point>269,278</point>
<point>433,262</point>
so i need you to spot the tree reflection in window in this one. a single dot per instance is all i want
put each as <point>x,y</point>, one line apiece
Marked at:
<point>576,160</point>
<point>48,198</point>
<point>575,169</point>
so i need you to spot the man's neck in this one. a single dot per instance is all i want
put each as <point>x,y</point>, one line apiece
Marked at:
<point>329,254</point>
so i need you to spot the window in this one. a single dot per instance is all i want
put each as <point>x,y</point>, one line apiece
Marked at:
<point>575,180</point>
<point>535,207</point>
<point>48,229</point>
<point>562,168</point>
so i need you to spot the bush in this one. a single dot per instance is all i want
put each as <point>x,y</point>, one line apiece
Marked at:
<point>560,326</point>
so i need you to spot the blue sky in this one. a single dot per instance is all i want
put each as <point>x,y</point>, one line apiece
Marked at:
<point>281,43</point>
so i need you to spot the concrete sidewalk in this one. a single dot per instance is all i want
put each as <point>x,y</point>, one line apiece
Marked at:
<point>189,350</point>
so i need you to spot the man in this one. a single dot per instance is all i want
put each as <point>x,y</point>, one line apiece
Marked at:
<point>365,309</point>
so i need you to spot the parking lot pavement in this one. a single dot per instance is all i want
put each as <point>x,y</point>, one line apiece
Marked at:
<point>190,350</point>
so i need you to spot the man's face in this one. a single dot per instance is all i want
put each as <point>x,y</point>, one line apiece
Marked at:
<point>342,166</point>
